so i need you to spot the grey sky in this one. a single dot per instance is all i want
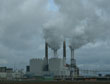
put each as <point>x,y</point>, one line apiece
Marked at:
<point>22,23</point>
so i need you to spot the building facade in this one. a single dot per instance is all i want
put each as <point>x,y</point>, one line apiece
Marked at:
<point>56,67</point>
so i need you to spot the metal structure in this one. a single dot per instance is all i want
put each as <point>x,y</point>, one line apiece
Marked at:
<point>74,70</point>
<point>73,63</point>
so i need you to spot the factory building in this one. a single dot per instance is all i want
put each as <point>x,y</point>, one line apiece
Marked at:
<point>54,66</point>
<point>36,67</point>
<point>57,67</point>
<point>9,74</point>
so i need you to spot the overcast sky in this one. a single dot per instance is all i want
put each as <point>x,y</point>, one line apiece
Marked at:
<point>23,22</point>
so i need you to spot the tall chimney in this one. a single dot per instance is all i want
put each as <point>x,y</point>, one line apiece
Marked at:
<point>73,63</point>
<point>64,52</point>
<point>46,51</point>
<point>46,67</point>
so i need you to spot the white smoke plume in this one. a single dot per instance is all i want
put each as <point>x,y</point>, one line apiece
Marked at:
<point>53,37</point>
<point>82,21</point>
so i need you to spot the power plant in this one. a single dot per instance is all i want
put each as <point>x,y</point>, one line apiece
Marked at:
<point>53,70</point>
<point>54,66</point>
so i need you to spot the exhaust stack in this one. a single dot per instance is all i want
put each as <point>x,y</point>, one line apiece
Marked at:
<point>74,70</point>
<point>46,68</point>
<point>64,52</point>
<point>46,51</point>
<point>73,63</point>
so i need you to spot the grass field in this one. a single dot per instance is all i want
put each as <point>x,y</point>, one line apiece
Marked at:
<point>55,82</point>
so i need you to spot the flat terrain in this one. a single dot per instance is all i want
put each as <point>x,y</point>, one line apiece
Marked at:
<point>55,82</point>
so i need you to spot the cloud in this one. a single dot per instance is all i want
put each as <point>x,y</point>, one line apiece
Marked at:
<point>80,21</point>
<point>21,28</point>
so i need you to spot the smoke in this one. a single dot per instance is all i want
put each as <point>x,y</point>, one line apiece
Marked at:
<point>81,21</point>
<point>53,37</point>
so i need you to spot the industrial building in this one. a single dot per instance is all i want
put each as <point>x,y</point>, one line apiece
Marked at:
<point>9,74</point>
<point>55,66</point>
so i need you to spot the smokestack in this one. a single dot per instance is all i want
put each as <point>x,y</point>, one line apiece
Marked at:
<point>64,52</point>
<point>73,63</point>
<point>72,53</point>
<point>46,58</point>
<point>46,51</point>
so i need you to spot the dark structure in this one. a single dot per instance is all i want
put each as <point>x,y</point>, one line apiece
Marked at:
<point>27,68</point>
<point>3,69</point>
<point>64,51</point>
<point>9,70</point>
<point>46,67</point>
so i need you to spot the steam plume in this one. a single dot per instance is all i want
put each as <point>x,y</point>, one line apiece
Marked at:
<point>80,21</point>
<point>53,38</point>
